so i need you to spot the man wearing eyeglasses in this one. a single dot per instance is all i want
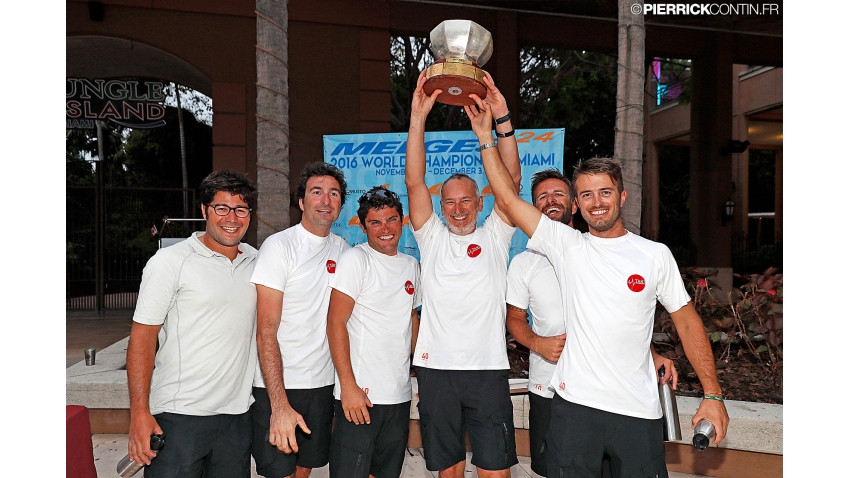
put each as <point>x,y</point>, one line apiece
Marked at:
<point>372,322</point>
<point>461,353</point>
<point>196,298</point>
<point>293,385</point>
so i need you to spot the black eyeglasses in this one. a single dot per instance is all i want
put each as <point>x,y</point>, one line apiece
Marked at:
<point>384,193</point>
<point>224,209</point>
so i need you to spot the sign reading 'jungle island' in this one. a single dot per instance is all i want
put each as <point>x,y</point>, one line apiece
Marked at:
<point>131,103</point>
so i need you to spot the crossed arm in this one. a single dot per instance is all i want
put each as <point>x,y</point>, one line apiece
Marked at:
<point>551,347</point>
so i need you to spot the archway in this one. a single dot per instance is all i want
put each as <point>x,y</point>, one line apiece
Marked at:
<point>113,210</point>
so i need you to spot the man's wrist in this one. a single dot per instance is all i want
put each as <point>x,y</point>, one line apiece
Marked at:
<point>501,119</point>
<point>535,343</point>
<point>417,122</point>
<point>485,138</point>
<point>347,382</point>
<point>140,413</point>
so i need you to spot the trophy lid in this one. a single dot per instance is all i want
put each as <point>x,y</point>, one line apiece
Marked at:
<point>463,39</point>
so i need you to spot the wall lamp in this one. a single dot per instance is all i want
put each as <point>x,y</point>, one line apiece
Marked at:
<point>734,146</point>
<point>728,211</point>
<point>96,11</point>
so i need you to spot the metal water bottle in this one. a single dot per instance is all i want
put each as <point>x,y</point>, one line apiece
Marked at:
<point>669,409</point>
<point>127,467</point>
<point>703,434</point>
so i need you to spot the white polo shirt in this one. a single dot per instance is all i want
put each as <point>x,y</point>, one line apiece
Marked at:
<point>207,309</point>
<point>301,265</point>
<point>532,284</point>
<point>385,291</point>
<point>610,288</point>
<point>463,296</point>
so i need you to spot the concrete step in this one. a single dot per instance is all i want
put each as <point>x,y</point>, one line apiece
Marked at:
<point>109,449</point>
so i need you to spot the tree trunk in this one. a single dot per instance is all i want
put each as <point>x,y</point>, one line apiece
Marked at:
<point>182,152</point>
<point>628,135</point>
<point>272,118</point>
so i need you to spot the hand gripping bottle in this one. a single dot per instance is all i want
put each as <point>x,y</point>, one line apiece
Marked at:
<point>669,409</point>
<point>703,434</point>
<point>127,467</point>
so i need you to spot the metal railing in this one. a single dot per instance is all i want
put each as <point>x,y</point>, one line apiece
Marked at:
<point>108,275</point>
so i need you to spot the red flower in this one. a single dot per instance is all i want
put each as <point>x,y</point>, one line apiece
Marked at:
<point>702,283</point>
<point>771,292</point>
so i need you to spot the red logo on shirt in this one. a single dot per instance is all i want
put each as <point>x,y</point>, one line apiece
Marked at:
<point>366,390</point>
<point>331,265</point>
<point>473,250</point>
<point>562,386</point>
<point>425,356</point>
<point>408,287</point>
<point>636,283</point>
<point>539,387</point>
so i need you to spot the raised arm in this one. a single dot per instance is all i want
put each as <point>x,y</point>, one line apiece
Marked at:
<point>418,196</point>
<point>284,418</point>
<point>502,182</point>
<point>355,403</point>
<point>698,350</point>
<point>507,144</point>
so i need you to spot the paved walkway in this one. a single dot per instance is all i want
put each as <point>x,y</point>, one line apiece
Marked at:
<point>109,449</point>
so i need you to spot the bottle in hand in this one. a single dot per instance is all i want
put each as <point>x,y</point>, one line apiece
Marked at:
<point>127,467</point>
<point>703,434</point>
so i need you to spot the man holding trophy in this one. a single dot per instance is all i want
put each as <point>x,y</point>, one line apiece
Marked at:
<point>461,354</point>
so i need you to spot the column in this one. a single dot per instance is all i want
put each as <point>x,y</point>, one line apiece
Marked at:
<point>229,130</point>
<point>711,172</point>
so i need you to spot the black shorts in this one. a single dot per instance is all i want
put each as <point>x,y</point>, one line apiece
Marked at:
<point>580,436</point>
<point>316,405</point>
<point>476,401</point>
<point>539,415</point>
<point>215,446</point>
<point>376,448</point>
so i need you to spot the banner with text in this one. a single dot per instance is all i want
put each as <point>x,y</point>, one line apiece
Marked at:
<point>378,159</point>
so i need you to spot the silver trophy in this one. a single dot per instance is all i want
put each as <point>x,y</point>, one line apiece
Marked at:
<point>461,47</point>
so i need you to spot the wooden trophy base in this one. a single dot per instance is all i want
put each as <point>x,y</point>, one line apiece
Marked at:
<point>458,79</point>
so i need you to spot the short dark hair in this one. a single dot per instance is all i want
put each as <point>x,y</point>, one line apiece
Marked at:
<point>319,168</point>
<point>550,173</point>
<point>378,198</point>
<point>232,182</point>
<point>462,176</point>
<point>608,166</point>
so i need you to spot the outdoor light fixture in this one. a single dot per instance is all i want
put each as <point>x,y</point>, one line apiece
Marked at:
<point>96,11</point>
<point>728,210</point>
<point>730,207</point>
<point>734,146</point>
